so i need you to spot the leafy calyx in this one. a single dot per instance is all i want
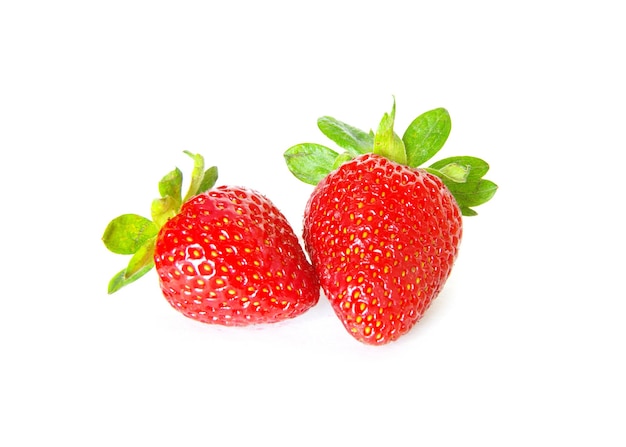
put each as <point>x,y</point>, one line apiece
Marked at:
<point>423,138</point>
<point>132,234</point>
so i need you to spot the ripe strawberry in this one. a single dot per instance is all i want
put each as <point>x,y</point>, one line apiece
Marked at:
<point>383,234</point>
<point>225,255</point>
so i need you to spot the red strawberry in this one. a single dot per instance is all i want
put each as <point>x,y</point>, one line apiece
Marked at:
<point>382,234</point>
<point>225,255</point>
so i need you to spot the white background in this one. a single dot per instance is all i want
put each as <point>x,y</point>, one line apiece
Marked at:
<point>525,346</point>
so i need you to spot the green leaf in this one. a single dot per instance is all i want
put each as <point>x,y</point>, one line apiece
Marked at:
<point>142,259</point>
<point>120,280</point>
<point>474,190</point>
<point>468,212</point>
<point>171,185</point>
<point>164,209</point>
<point>341,159</point>
<point>477,168</point>
<point>347,137</point>
<point>426,135</point>
<point>471,194</point>
<point>208,180</point>
<point>453,172</point>
<point>386,142</point>
<point>310,162</point>
<point>126,233</point>
<point>196,175</point>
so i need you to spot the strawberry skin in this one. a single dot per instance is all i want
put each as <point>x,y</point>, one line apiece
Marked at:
<point>383,238</point>
<point>230,257</point>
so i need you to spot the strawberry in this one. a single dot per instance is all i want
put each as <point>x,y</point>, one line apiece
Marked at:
<point>223,255</point>
<point>383,234</point>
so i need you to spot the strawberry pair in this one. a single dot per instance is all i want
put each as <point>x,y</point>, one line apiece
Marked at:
<point>382,235</point>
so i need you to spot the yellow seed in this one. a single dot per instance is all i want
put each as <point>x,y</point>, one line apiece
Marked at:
<point>359,319</point>
<point>368,330</point>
